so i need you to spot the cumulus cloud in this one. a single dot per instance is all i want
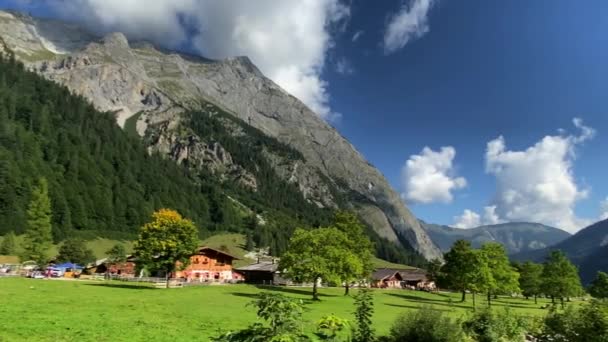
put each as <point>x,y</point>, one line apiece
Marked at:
<point>410,22</point>
<point>538,184</point>
<point>288,40</point>
<point>428,177</point>
<point>471,219</point>
<point>468,219</point>
<point>604,209</point>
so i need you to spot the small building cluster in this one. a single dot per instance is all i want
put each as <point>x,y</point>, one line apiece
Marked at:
<point>411,279</point>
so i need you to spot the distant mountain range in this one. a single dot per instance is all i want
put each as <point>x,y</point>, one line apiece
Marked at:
<point>517,237</point>
<point>588,249</point>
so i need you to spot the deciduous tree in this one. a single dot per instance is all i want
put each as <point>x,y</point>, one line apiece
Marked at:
<point>167,241</point>
<point>599,286</point>
<point>321,253</point>
<point>459,270</point>
<point>530,280</point>
<point>505,279</point>
<point>560,277</point>
<point>348,223</point>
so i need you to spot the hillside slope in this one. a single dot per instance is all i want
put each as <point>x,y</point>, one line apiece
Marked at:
<point>588,249</point>
<point>165,87</point>
<point>515,236</point>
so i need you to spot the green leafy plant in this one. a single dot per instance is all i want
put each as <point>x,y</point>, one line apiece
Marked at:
<point>364,310</point>
<point>426,325</point>
<point>490,325</point>
<point>331,328</point>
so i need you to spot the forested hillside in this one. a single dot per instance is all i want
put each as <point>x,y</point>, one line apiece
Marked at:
<point>103,182</point>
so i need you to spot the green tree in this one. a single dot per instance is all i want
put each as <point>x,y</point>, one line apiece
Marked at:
<point>459,272</point>
<point>364,310</point>
<point>530,280</point>
<point>348,223</point>
<point>317,254</point>
<point>38,235</point>
<point>433,269</point>
<point>560,277</point>
<point>599,286</point>
<point>249,244</point>
<point>166,242</point>
<point>479,274</point>
<point>8,246</point>
<point>75,250</point>
<point>117,254</point>
<point>505,278</point>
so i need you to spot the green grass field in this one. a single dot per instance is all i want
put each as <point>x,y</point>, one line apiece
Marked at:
<point>55,310</point>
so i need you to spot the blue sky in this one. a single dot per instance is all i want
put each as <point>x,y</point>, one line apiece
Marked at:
<point>470,72</point>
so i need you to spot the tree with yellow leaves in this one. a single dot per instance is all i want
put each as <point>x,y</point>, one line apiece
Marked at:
<point>167,241</point>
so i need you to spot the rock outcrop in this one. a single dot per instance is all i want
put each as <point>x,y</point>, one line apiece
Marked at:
<point>129,78</point>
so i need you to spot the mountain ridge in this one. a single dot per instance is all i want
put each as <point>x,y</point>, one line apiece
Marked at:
<point>515,236</point>
<point>161,87</point>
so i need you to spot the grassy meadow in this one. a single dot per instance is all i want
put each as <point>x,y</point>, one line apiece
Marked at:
<point>56,310</point>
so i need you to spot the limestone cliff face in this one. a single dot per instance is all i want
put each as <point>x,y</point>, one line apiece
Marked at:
<point>134,77</point>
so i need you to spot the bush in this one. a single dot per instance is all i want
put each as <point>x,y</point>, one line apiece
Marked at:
<point>588,323</point>
<point>426,325</point>
<point>490,325</point>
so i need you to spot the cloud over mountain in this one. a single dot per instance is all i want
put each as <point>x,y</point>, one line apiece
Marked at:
<point>288,40</point>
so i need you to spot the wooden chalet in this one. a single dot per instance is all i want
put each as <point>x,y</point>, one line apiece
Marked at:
<point>262,272</point>
<point>210,264</point>
<point>386,278</point>
<point>124,269</point>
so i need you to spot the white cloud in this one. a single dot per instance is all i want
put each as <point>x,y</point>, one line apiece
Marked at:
<point>344,67</point>
<point>357,35</point>
<point>428,177</point>
<point>288,40</point>
<point>604,209</point>
<point>538,184</point>
<point>410,22</point>
<point>468,219</point>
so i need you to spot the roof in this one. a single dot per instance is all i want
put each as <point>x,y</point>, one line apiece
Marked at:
<point>264,266</point>
<point>383,273</point>
<point>201,248</point>
<point>9,259</point>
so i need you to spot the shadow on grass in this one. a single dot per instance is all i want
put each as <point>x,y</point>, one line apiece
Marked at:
<point>123,286</point>
<point>432,301</point>
<point>430,307</point>
<point>298,291</point>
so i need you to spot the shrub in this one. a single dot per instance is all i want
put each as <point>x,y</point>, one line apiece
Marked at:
<point>588,323</point>
<point>490,325</point>
<point>426,325</point>
<point>331,328</point>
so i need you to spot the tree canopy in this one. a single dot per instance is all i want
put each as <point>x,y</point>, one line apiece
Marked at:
<point>560,277</point>
<point>166,242</point>
<point>76,251</point>
<point>505,278</point>
<point>599,286</point>
<point>530,280</point>
<point>317,254</point>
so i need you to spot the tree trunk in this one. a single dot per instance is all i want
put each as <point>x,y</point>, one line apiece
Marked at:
<point>346,289</point>
<point>315,296</point>
<point>489,299</point>
<point>562,300</point>
<point>535,301</point>
<point>474,301</point>
<point>464,295</point>
<point>553,300</point>
<point>167,279</point>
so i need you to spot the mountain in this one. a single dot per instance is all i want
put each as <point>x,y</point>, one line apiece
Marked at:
<point>588,249</point>
<point>168,99</point>
<point>515,236</point>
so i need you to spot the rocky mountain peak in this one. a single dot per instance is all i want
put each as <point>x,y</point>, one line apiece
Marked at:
<point>160,86</point>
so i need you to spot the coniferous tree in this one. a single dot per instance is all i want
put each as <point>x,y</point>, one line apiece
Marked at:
<point>38,235</point>
<point>9,245</point>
